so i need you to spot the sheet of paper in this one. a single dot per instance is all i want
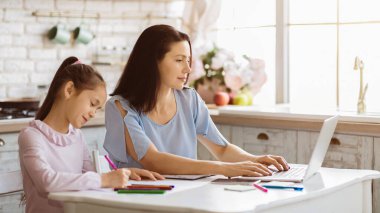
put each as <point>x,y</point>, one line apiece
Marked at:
<point>179,185</point>
<point>239,188</point>
<point>186,177</point>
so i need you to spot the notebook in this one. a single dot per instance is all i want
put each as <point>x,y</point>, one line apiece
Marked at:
<point>298,173</point>
<point>101,164</point>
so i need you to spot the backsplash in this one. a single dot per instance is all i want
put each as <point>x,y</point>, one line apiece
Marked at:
<point>28,58</point>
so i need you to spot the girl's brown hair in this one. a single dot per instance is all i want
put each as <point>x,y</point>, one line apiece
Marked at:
<point>140,81</point>
<point>83,76</point>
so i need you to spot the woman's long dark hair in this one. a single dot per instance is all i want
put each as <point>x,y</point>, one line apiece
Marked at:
<point>83,76</point>
<point>140,81</point>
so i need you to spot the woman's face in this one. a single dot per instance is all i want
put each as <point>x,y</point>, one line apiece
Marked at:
<point>83,106</point>
<point>174,68</point>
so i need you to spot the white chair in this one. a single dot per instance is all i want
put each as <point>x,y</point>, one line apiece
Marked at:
<point>101,164</point>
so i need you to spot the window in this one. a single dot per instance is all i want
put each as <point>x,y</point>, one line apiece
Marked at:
<point>324,37</point>
<point>248,27</point>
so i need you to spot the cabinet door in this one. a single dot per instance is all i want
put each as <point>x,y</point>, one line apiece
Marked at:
<point>9,159</point>
<point>259,141</point>
<point>345,151</point>
<point>94,137</point>
<point>11,203</point>
<point>203,153</point>
<point>376,182</point>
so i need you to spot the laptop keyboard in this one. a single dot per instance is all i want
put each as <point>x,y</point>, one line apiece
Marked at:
<point>294,172</point>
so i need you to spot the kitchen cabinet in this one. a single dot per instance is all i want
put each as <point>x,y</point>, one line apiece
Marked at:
<point>9,158</point>
<point>376,183</point>
<point>345,151</point>
<point>11,203</point>
<point>9,161</point>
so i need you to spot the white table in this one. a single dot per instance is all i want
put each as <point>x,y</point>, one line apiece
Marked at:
<point>331,190</point>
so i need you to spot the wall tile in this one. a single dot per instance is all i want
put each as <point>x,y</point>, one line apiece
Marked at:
<point>39,4</point>
<point>13,52</point>
<point>11,28</point>
<point>16,15</point>
<point>12,66</point>
<point>5,40</point>
<point>13,78</point>
<point>35,53</point>
<point>15,4</point>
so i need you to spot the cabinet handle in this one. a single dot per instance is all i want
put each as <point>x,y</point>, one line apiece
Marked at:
<point>263,136</point>
<point>335,141</point>
<point>2,142</point>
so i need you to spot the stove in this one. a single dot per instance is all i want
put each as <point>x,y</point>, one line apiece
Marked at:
<point>13,113</point>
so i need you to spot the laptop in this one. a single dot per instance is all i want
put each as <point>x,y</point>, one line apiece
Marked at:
<point>298,173</point>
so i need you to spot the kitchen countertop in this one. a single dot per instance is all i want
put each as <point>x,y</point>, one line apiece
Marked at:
<point>280,116</point>
<point>15,125</point>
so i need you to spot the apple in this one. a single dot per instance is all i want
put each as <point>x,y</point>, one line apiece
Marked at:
<point>221,98</point>
<point>241,99</point>
<point>232,96</point>
<point>250,98</point>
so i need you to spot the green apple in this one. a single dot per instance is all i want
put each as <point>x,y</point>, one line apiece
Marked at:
<point>250,98</point>
<point>241,99</point>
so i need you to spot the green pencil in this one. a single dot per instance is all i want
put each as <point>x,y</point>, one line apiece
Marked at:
<point>134,191</point>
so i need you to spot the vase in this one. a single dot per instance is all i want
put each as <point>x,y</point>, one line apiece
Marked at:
<point>208,89</point>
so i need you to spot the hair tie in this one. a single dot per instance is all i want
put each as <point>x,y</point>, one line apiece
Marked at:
<point>77,62</point>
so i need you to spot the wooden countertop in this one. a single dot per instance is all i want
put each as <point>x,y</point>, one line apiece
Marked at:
<point>346,125</point>
<point>15,125</point>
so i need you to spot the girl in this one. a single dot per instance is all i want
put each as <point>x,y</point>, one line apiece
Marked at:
<point>153,121</point>
<point>53,153</point>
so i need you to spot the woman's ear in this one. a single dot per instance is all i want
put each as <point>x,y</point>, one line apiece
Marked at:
<point>69,89</point>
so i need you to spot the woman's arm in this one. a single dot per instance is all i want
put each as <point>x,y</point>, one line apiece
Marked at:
<point>233,153</point>
<point>167,163</point>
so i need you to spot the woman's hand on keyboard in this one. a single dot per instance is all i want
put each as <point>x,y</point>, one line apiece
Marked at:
<point>245,168</point>
<point>278,161</point>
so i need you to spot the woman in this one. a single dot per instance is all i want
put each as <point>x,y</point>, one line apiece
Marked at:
<point>153,121</point>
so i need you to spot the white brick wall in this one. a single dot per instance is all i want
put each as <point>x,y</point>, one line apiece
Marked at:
<point>11,4</point>
<point>11,28</point>
<point>19,65</point>
<point>19,15</point>
<point>10,78</point>
<point>28,58</point>
<point>38,53</point>
<point>13,52</point>
<point>39,4</point>
<point>47,66</point>
<point>1,66</point>
<point>3,92</point>
<point>125,6</point>
<point>5,40</point>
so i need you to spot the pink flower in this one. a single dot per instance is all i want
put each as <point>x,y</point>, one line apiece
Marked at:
<point>256,64</point>
<point>233,80</point>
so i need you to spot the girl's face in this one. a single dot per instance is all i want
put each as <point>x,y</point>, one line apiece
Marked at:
<point>81,107</point>
<point>174,68</point>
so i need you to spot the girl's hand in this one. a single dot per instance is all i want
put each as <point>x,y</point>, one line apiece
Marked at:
<point>278,161</point>
<point>245,168</point>
<point>115,179</point>
<point>138,174</point>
